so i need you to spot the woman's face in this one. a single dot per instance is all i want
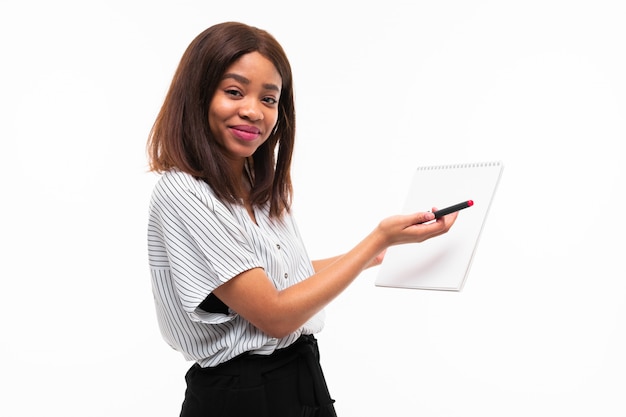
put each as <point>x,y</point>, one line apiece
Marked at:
<point>244,108</point>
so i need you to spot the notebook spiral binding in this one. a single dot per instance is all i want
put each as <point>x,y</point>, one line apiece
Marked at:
<point>461,165</point>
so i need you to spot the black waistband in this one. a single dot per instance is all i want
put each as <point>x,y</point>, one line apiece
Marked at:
<point>304,353</point>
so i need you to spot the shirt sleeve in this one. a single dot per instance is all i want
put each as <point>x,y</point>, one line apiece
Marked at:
<point>204,245</point>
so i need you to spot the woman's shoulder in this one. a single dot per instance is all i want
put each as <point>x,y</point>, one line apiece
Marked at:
<point>178,180</point>
<point>175,184</point>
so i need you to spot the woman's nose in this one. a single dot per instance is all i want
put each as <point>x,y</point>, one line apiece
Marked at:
<point>251,110</point>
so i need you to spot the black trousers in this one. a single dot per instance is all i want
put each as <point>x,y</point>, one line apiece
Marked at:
<point>288,383</point>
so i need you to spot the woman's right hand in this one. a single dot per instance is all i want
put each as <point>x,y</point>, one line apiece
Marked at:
<point>414,228</point>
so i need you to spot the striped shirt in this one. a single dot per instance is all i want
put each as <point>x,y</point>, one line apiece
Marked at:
<point>195,244</point>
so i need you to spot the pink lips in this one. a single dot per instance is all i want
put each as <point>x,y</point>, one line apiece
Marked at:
<point>245,132</point>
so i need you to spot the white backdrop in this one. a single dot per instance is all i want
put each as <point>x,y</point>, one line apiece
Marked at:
<point>381,88</point>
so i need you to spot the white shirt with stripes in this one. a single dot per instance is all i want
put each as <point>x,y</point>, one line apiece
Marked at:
<point>195,244</point>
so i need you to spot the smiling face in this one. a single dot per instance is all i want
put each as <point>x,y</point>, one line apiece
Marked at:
<point>244,108</point>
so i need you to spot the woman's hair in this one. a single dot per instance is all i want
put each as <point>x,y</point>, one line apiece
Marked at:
<point>181,138</point>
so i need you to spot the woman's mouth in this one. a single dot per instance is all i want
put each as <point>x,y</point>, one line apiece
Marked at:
<point>245,132</point>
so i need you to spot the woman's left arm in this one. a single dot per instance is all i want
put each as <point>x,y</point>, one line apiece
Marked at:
<point>320,264</point>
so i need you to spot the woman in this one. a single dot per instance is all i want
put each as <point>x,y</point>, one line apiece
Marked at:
<point>234,288</point>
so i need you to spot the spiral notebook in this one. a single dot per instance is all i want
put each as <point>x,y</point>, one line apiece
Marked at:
<point>443,262</point>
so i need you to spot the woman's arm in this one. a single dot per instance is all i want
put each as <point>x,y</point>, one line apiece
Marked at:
<point>279,313</point>
<point>320,264</point>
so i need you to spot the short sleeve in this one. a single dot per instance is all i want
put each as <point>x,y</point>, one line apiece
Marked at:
<point>201,242</point>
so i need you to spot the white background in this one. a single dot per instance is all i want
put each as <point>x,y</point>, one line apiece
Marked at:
<point>381,87</point>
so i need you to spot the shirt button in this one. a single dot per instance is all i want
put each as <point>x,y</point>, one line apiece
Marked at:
<point>278,246</point>
<point>286,275</point>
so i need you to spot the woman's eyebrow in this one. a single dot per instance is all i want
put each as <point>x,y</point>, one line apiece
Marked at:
<point>244,80</point>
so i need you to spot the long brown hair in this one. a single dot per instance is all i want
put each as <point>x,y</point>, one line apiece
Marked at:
<point>181,138</point>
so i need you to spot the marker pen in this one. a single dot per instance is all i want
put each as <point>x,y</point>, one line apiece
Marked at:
<point>452,209</point>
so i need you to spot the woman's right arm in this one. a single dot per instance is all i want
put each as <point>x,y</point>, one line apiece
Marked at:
<point>278,313</point>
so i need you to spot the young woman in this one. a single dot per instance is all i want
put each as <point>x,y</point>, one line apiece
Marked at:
<point>234,288</point>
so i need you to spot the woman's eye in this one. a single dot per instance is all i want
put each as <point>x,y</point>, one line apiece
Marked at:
<point>234,93</point>
<point>270,100</point>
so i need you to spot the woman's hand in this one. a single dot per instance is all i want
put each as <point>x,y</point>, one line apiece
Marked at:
<point>377,260</point>
<point>414,228</point>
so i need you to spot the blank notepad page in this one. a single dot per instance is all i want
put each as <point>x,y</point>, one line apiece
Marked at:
<point>443,262</point>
